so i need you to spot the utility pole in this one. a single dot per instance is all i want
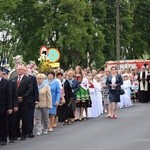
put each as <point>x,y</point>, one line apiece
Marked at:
<point>88,59</point>
<point>118,33</point>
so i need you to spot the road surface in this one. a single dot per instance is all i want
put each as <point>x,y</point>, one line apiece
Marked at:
<point>131,131</point>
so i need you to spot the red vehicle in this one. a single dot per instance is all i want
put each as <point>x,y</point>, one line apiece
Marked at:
<point>128,63</point>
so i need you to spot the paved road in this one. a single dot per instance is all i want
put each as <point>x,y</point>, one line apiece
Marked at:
<point>131,131</point>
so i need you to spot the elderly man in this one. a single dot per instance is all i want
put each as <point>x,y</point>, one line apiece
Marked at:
<point>24,90</point>
<point>5,107</point>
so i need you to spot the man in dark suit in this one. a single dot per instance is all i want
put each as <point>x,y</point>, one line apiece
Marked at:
<point>5,107</point>
<point>25,89</point>
<point>12,117</point>
<point>34,97</point>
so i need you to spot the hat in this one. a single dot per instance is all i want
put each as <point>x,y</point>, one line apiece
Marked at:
<point>4,70</point>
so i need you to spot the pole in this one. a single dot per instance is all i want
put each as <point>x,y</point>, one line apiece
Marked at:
<point>88,59</point>
<point>118,33</point>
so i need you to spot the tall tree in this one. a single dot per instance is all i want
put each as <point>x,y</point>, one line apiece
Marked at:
<point>27,22</point>
<point>75,27</point>
<point>141,28</point>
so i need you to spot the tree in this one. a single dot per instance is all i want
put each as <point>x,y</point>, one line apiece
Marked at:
<point>75,27</point>
<point>8,39</point>
<point>141,28</point>
<point>109,30</point>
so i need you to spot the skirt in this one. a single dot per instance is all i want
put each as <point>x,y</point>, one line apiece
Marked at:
<point>83,98</point>
<point>65,112</point>
<point>114,96</point>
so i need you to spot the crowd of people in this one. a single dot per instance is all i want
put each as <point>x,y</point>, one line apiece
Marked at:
<point>44,99</point>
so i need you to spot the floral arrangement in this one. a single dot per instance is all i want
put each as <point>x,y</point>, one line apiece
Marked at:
<point>32,68</point>
<point>18,60</point>
<point>44,65</point>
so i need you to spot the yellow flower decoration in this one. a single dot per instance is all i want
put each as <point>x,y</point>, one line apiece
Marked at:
<point>44,65</point>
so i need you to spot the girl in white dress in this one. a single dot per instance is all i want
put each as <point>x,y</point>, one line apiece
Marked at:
<point>127,88</point>
<point>92,111</point>
<point>96,97</point>
<point>98,89</point>
<point>121,104</point>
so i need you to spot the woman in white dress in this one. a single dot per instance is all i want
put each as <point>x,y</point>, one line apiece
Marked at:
<point>92,111</point>
<point>98,89</point>
<point>96,98</point>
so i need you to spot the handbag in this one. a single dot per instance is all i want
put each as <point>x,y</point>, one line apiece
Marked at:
<point>122,91</point>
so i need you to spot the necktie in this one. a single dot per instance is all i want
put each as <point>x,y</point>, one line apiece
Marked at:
<point>18,81</point>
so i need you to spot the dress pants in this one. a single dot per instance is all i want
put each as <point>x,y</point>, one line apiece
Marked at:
<point>3,127</point>
<point>31,108</point>
<point>22,114</point>
<point>12,126</point>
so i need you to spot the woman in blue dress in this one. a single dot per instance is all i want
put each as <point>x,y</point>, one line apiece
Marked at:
<point>55,91</point>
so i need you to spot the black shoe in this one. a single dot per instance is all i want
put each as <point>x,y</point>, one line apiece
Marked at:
<point>23,138</point>
<point>15,138</point>
<point>3,143</point>
<point>77,120</point>
<point>11,141</point>
<point>31,135</point>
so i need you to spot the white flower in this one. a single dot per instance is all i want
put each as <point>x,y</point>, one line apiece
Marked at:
<point>47,58</point>
<point>39,59</point>
<point>43,55</point>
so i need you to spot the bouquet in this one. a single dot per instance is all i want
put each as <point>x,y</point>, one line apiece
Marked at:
<point>18,60</point>
<point>44,65</point>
